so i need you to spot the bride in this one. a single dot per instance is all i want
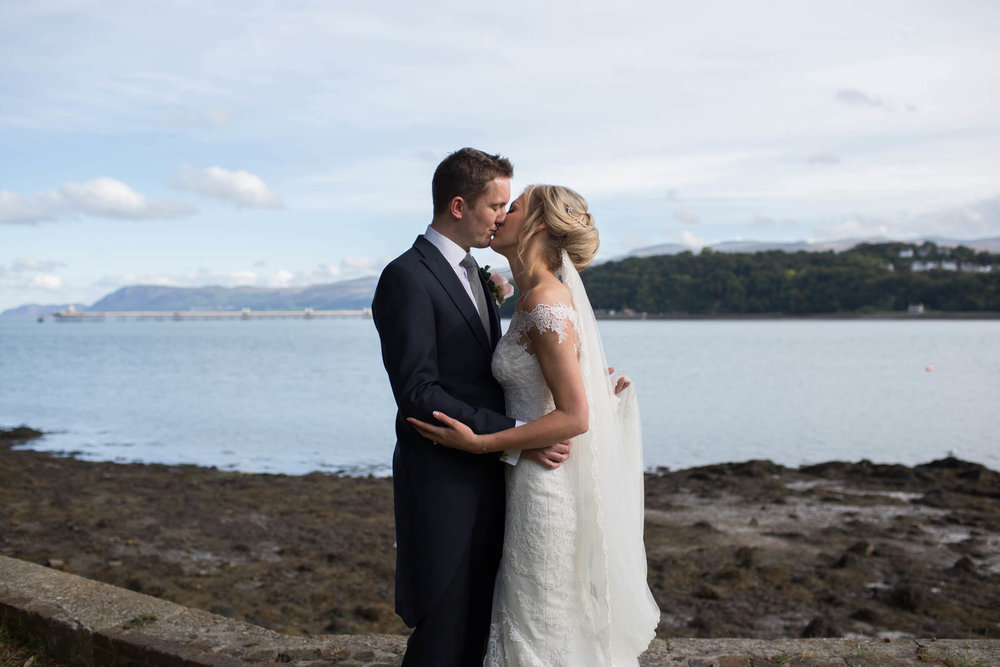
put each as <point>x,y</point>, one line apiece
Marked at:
<point>571,589</point>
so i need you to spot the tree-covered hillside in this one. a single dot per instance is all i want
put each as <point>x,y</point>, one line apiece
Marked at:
<point>879,277</point>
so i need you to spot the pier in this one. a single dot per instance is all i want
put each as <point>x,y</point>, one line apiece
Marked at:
<point>73,315</point>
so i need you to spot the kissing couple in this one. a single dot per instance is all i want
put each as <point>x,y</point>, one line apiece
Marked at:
<point>517,473</point>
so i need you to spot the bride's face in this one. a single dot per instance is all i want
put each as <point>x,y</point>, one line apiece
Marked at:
<point>505,237</point>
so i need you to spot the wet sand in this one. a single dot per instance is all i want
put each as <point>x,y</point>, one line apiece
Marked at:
<point>735,550</point>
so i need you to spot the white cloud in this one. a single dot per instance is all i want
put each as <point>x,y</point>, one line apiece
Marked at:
<point>31,276</point>
<point>822,158</point>
<point>15,209</point>
<point>853,228</point>
<point>350,107</point>
<point>256,276</point>
<point>234,278</point>
<point>767,222</point>
<point>30,264</point>
<point>685,237</point>
<point>46,281</point>
<point>324,273</point>
<point>100,197</point>
<point>358,265</point>
<point>349,267</point>
<point>855,97</point>
<point>970,221</point>
<point>114,281</point>
<point>686,216</point>
<point>237,187</point>
<point>280,278</point>
<point>651,173</point>
<point>110,198</point>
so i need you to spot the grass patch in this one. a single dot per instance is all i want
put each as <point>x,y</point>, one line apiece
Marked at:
<point>19,647</point>
<point>140,620</point>
<point>962,660</point>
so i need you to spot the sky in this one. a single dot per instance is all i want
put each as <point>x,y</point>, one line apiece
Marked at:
<point>293,143</point>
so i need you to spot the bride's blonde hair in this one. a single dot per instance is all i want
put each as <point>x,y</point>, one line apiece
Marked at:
<point>570,226</point>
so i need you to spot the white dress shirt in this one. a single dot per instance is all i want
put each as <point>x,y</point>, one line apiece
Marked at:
<point>454,254</point>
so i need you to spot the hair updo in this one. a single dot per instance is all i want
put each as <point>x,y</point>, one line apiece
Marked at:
<point>570,226</point>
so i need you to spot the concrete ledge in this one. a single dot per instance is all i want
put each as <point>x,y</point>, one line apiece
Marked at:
<point>84,622</point>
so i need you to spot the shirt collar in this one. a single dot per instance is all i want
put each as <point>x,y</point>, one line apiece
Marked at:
<point>453,253</point>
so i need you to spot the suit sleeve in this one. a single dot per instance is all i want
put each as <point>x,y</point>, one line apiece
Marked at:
<point>405,319</point>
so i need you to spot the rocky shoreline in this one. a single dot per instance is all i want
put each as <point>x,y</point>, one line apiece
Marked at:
<point>747,549</point>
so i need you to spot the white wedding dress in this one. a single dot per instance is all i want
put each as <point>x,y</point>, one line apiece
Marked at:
<point>571,589</point>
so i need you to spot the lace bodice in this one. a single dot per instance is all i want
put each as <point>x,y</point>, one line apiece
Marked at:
<point>516,368</point>
<point>571,589</point>
<point>537,620</point>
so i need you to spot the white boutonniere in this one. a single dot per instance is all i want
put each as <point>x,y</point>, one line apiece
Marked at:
<point>499,285</point>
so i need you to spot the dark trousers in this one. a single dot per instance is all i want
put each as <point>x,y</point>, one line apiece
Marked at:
<point>454,632</point>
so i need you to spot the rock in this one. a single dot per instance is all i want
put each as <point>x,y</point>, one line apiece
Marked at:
<point>746,557</point>
<point>948,463</point>
<point>865,615</point>
<point>849,559</point>
<point>862,548</point>
<point>965,564</point>
<point>828,470</point>
<point>19,434</point>
<point>708,592</point>
<point>906,596</point>
<point>821,627</point>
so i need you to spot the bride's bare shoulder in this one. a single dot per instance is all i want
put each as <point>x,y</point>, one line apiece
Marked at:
<point>547,293</point>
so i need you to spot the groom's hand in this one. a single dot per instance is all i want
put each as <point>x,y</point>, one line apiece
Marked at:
<point>550,457</point>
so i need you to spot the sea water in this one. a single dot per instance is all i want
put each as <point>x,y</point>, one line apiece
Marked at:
<point>296,396</point>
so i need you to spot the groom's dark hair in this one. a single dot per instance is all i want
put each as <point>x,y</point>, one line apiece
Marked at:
<point>466,173</point>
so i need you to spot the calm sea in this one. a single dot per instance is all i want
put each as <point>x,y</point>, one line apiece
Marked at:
<point>295,396</point>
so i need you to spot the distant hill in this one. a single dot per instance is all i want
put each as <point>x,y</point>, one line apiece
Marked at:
<point>991,245</point>
<point>356,294</point>
<point>988,245</point>
<point>346,295</point>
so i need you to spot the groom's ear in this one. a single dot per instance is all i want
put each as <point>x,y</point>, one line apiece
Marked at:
<point>456,207</point>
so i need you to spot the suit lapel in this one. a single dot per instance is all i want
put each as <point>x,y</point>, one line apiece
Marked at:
<point>494,311</point>
<point>445,275</point>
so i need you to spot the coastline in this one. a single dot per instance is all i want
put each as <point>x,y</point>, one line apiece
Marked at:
<point>901,315</point>
<point>853,315</point>
<point>748,549</point>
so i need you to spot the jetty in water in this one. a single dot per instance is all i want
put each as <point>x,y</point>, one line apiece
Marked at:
<point>73,315</point>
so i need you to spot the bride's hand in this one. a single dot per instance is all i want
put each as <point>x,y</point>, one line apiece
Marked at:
<point>622,383</point>
<point>453,434</point>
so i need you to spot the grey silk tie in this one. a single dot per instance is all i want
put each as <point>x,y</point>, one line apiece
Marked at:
<point>472,270</point>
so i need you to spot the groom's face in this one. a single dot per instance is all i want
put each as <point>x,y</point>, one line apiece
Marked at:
<point>480,221</point>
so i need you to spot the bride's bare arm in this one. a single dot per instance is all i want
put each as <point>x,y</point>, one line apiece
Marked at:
<point>556,354</point>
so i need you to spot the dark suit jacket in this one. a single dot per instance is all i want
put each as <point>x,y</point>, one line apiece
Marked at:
<point>438,357</point>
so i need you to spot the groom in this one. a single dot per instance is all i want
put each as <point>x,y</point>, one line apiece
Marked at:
<point>438,329</point>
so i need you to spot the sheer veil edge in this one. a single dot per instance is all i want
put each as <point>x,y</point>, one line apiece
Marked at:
<point>610,505</point>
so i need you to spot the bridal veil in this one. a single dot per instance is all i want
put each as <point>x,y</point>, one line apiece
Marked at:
<point>611,557</point>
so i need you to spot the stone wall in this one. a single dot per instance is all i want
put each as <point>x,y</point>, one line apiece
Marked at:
<point>84,622</point>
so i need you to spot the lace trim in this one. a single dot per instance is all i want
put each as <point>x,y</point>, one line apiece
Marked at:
<point>556,317</point>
